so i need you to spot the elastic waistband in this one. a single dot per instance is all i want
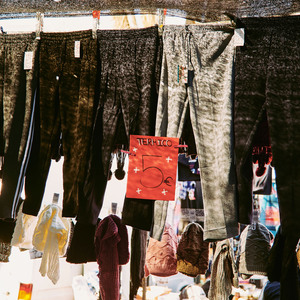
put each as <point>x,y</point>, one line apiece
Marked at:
<point>128,33</point>
<point>59,36</point>
<point>199,28</point>
<point>266,23</point>
<point>17,38</point>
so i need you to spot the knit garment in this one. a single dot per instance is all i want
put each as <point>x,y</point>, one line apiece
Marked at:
<point>203,10</point>
<point>196,75</point>
<point>6,230</point>
<point>64,118</point>
<point>267,79</point>
<point>192,251</point>
<point>24,229</point>
<point>111,245</point>
<point>5,250</point>
<point>18,97</point>
<point>82,248</point>
<point>224,273</point>
<point>282,265</point>
<point>137,260</point>
<point>161,255</point>
<point>51,237</point>
<point>255,244</point>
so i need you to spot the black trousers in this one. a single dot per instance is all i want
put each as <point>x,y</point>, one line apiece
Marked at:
<point>267,82</point>
<point>65,116</point>
<point>17,98</point>
<point>129,70</point>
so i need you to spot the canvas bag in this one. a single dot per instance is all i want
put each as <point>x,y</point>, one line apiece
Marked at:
<point>161,255</point>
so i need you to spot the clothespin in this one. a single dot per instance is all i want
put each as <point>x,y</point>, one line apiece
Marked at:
<point>39,25</point>
<point>161,20</point>
<point>128,152</point>
<point>181,146</point>
<point>96,22</point>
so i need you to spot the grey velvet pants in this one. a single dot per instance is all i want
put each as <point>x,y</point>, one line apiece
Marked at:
<point>197,73</point>
<point>17,95</point>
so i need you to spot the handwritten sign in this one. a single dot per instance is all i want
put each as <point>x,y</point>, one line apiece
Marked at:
<point>152,167</point>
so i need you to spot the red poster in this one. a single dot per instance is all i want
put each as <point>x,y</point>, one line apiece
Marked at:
<point>152,167</point>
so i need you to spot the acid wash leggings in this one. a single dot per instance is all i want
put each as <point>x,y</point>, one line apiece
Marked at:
<point>267,81</point>
<point>197,72</point>
<point>17,98</point>
<point>64,117</point>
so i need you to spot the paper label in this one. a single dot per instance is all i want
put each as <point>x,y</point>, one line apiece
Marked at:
<point>239,37</point>
<point>77,49</point>
<point>153,167</point>
<point>28,60</point>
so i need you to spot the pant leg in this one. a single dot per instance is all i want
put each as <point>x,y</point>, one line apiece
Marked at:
<point>211,98</point>
<point>76,111</point>
<point>270,63</point>
<point>283,110</point>
<point>129,62</point>
<point>17,102</point>
<point>65,115</point>
<point>208,93</point>
<point>250,89</point>
<point>170,87</point>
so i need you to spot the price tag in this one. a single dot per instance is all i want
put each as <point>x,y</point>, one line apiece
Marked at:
<point>28,60</point>
<point>152,167</point>
<point>77,49</point>
<point>239,37</point>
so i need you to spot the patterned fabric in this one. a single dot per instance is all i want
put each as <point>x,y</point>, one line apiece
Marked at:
<point>5,250</point>
<point>202,9</point>
<point>282,265</point>
<point>111,245</point>
<point>254,247</point>
<point>267,79</point>
<point>161,255</point>
<point>197,73</point>
<point>129,66</point>
<point>17,94</point>
<point>224,272</point>
<point>192,252</point>
<point>67,85</point>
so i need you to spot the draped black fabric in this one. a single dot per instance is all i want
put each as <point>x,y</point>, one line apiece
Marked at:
<point>201,9</point>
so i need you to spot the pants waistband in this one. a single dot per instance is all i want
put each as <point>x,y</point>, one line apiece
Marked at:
<point>198,28</point>
<point>128,33</point>
<point>270,23</point>
<point>16,38</point>
<point>59,36</point>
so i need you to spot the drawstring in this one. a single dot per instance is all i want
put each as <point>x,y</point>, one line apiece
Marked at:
<point>188,39</point>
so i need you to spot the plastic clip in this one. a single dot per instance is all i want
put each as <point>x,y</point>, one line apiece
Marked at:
<point>96,22</point>
<point>161,20</point>
<point>39,25</point>
<point>128,152</point>
<point>181,146</point>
